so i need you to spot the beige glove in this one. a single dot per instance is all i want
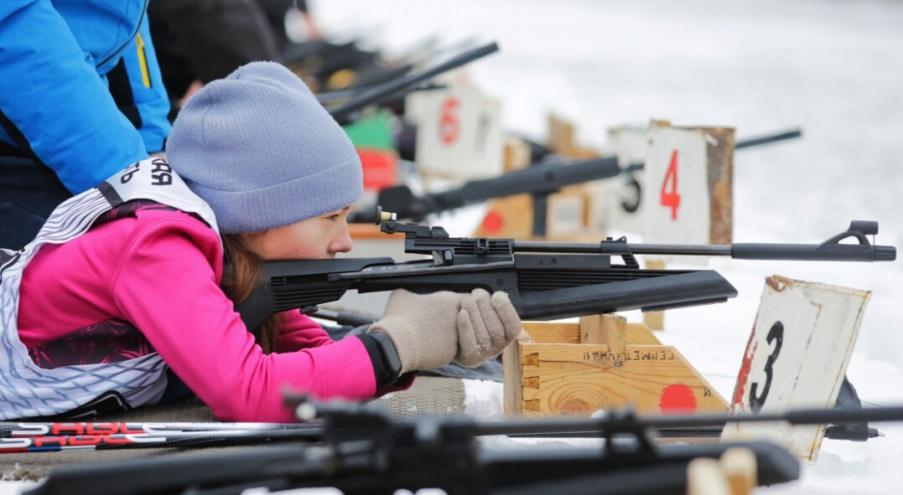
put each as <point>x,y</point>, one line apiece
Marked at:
<point>430,330</point>
<point>486,324</point>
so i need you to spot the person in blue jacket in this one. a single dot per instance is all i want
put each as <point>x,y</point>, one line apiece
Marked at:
<point>81,97</point>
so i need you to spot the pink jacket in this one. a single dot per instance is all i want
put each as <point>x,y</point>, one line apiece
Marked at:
<point>159,272</point>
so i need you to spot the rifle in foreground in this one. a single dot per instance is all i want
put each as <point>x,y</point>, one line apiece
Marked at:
<point>545,280</point>
<point>365,450</point>
<point>539,178</point>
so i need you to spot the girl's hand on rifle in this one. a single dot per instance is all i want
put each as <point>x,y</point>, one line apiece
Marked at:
<point>431,330</point>
<point>486,324</point>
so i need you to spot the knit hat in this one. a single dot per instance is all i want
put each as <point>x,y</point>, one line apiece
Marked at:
<point>259,148</point>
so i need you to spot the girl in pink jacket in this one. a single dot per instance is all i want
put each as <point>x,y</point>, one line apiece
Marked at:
<point>133,283</point>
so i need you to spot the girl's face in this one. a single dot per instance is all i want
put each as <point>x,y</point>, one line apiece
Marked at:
<point>315,238</point>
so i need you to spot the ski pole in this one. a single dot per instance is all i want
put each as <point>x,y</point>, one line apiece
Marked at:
<point>208,438</point>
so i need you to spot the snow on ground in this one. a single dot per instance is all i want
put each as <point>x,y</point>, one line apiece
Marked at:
<point>833,67</point>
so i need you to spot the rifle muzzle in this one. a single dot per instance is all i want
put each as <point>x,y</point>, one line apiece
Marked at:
<point>885,253</point>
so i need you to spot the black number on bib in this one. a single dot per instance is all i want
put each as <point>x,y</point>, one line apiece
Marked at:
<point>776,334</point>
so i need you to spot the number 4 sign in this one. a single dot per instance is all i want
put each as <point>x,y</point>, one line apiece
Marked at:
<point>687,193</point>
<point>670,198</point>
<point>796,357</point>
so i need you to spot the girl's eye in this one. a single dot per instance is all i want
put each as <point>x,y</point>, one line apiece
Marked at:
<point>333,218</point>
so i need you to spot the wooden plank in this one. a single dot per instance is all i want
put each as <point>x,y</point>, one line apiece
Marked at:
<point>739,467</point>
<point>607,329</point>
<point>720,166</point>
<point>563,138</point>
<point>512,399</point>
<point>561,134</point>
<point>516,154</point>
<point>553,332</point>
<point>654,319</point>
<point>510,217</point>
<point>569,333</point>
<point>639,334</point>
<point>705,477</point>
<point>582,378</point>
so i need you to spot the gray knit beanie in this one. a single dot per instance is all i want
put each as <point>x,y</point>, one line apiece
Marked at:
<point>259,148</point>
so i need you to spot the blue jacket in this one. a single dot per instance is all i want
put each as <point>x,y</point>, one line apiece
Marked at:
<point>61,63</point>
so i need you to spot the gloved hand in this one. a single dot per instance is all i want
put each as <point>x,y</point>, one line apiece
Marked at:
<point>431,330</point>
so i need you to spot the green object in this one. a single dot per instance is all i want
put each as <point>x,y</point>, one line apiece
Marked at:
<point>374,130</point>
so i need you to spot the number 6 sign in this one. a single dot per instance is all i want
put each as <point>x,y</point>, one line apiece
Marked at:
<point>687,191</point>
<point>459,132</point>
<point>796,357</point>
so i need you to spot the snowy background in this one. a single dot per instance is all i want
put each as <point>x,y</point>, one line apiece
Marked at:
<point>833,67</point>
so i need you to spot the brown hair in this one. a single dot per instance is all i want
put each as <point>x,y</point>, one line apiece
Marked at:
<point>243,270</point>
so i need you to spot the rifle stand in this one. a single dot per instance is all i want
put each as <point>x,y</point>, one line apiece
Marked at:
<point>601,363</point>
<point>849,399</point>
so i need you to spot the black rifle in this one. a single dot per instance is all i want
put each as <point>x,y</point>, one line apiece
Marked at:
<point>333,97</point>
<point>545,280</point>
<point>539,179</point>
<point>367,451</point>
<point>392,89</point>
<point>321,58</point>
<point>295,53</point>
<point>363,79</point>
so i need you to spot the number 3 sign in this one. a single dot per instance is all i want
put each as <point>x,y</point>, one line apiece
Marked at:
<point>796,357</point>
<point>687,193</point>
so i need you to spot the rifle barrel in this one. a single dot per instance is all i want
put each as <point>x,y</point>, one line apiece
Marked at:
<point>584,247</point>
<point>392,88</point>
<point>830,250</point>
<point>739,145</point>
<point>768,138</point>
<point>629,423</point>
<point>813,252</point>
<point>543,177</point>
<point>539,178</point>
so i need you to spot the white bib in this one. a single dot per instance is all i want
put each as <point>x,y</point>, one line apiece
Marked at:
<point>27,390</point>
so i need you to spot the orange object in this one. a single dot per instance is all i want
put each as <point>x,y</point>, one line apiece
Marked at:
<point>493,222</point>
<point>379,167</point>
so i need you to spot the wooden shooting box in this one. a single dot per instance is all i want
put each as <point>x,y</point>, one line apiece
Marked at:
<point>602,362</point>
<point>568,212</point>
